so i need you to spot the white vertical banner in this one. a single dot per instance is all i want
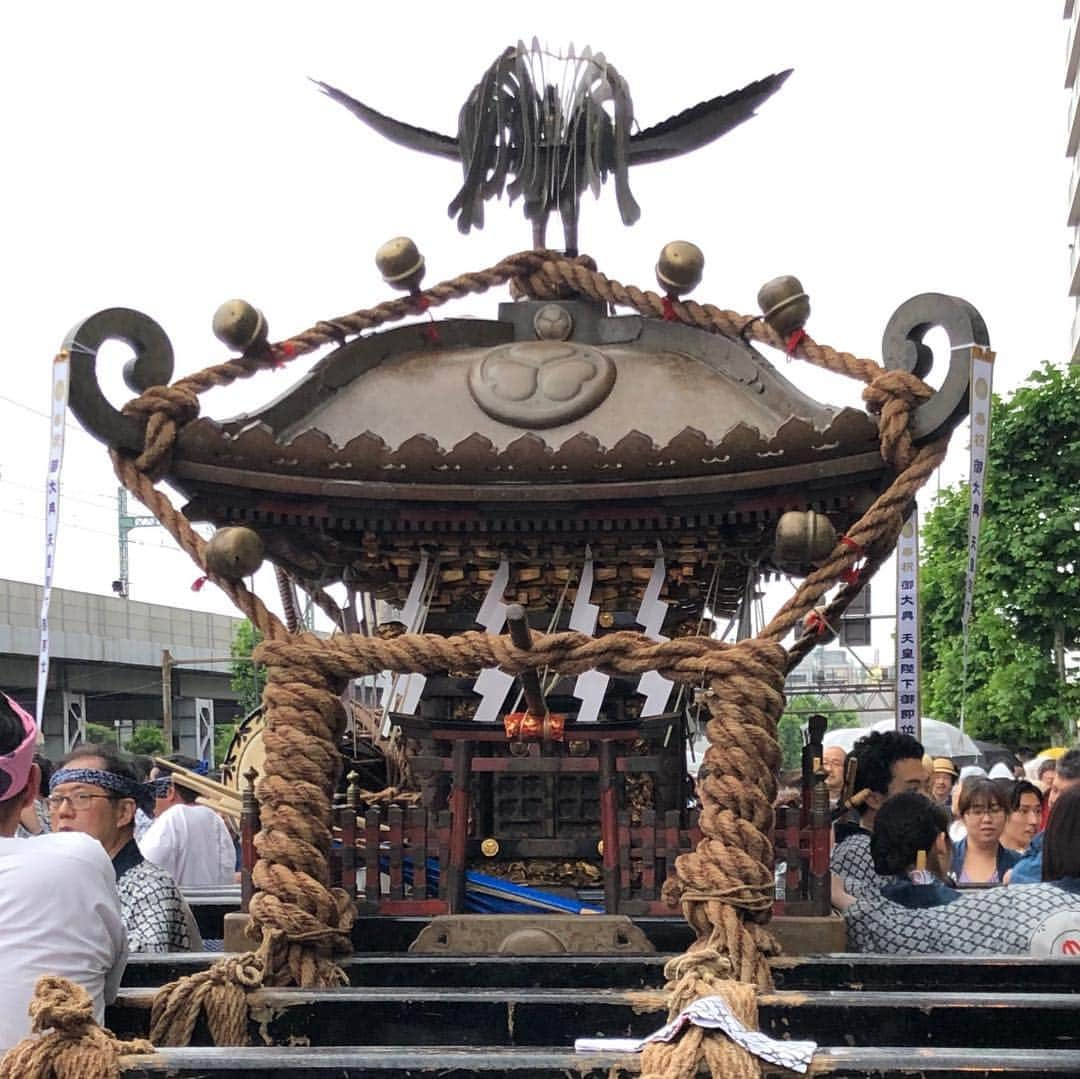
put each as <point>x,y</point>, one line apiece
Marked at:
<point>60,382</point>
<point>908,710</point>
<point>982,385</point>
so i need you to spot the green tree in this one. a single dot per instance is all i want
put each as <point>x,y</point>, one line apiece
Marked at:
<point>1027,595</point>
<point>146,742</point>
<point>100,735</point>
<point>223,735</point>
<point>248,678</point>
<point>790,728</point>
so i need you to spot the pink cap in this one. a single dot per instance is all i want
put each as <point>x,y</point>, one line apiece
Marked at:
<point>15,766</point>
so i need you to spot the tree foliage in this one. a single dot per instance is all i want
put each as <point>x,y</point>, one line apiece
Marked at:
<point>248,678</point>
<point>223,735</point>
<point>100,735</point>
<point>1028,589</point>
<point>146,742</point>
<point>789,729</point>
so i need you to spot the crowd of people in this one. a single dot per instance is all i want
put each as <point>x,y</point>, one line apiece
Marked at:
<point>928,857</point>
<point>918,833</point>
<point>93,859</point>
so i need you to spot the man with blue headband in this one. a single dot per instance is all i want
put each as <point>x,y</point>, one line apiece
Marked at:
<point>59,910</point>
<point>95,790</point>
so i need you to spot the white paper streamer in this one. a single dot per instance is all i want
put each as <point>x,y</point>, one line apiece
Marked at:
<point>590,686</point>
<point>492,684</point>
<point>60,382</point>
<point>714,1014</point>
<point>655,688</point>
<point>402,695</point>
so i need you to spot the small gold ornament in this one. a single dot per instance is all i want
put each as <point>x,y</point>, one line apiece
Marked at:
<point>234,553</point>
<point>240,326</point>
<point>401,264</point>
<point>680,267</point>
<point>784,305</point>
<point>803,538</point>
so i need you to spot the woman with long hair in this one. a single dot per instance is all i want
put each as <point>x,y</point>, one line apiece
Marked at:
<point>980,858</point>
<point>1061,842</point>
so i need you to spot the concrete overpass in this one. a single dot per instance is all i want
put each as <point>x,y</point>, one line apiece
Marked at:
<point>106,665</point>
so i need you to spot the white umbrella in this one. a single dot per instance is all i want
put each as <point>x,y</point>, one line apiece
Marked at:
<point>940,739</point>
<point>844,737</point>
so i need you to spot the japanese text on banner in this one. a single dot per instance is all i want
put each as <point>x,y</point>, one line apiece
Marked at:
<point>60,383</point>
<point>908,712</point>
<point>982,382</point>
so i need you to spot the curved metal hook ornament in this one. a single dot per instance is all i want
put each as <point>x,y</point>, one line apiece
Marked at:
<point>152,365</point>
<point>902,349</point>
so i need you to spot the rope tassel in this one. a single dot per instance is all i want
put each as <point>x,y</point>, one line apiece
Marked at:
<point>66,1043</point>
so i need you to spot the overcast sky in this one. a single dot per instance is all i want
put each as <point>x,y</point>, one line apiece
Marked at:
<point>170,157</point>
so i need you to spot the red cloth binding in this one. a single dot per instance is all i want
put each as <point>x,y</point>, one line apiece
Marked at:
<point>847,541</point>
<point>794,341</point>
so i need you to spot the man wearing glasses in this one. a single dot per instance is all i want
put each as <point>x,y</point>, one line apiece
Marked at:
<point>96,791</point>
<point>59,912</point>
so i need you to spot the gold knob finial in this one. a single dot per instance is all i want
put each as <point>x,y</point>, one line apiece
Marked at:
<point>784,305</point>
<point>240,326</point>
<point>680,267</point>
<point>490,847</point>
<point>400,263</point>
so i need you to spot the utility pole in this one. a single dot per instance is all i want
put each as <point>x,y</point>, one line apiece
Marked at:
<point>1065,736</point>
<point>125,523</point>
<point>166,699</point>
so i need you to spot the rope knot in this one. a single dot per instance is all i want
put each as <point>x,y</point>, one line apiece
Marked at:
<point>707,962</point>
<point>66,1043</point>
<point>244,970</point>
<point>61,1005</point>
<point>167,409</point>
<point>556,278</point>
<point>894,396</point>
<point>176,403</point>
<point>895,386</point>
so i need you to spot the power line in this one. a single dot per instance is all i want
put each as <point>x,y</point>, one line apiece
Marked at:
<point>19,404</point>
<point>93,531</point>
<point>104,501</point>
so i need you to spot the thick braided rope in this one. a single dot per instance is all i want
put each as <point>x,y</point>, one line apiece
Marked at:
<point>304,723</point>
<point>66,1042</point>
<point>344,656</point>
<point>179,527</point>
<point>219,993</point>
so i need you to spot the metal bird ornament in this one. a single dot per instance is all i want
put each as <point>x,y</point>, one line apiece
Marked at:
<point>548,142</point>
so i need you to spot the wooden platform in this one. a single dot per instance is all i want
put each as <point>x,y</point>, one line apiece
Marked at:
<point>408,1015</point>
<point>451,1062</point>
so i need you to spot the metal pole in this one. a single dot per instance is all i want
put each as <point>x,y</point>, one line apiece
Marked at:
<point>530,680</point>
<point>166,700</point>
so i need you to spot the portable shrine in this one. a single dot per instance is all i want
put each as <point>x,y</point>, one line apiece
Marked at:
<point>550,526</point>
